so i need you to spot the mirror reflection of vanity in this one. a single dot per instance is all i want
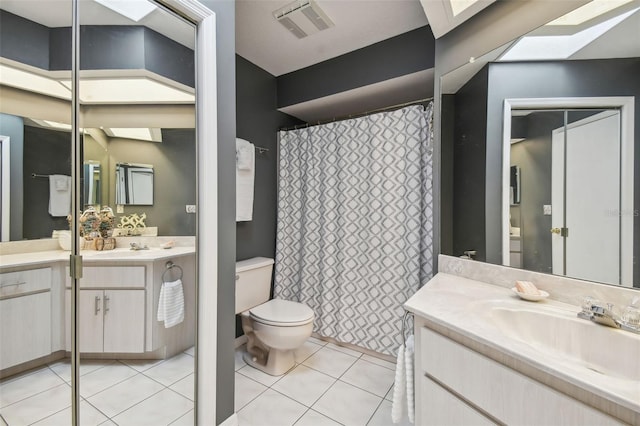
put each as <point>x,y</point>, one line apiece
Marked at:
<point>530,121</point>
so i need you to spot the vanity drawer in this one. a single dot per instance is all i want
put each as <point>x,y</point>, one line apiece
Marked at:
<point>111,277</point>
<point>13,284</point>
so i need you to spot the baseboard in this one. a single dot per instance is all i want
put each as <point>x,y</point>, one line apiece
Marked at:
<point>240,341</point>
<point>232,420</point>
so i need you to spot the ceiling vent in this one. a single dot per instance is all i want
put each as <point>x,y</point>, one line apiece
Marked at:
<point>303,18</point>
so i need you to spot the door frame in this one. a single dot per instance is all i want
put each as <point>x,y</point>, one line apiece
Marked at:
<point>626,105</point>
<point>5,226</point>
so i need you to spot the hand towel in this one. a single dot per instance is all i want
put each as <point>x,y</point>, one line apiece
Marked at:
<point>408,367</point>
<point>59,195</point>
<point>398,387</point>
<point>245,154</point>
<point>245,182</point>
<point>171,303</point>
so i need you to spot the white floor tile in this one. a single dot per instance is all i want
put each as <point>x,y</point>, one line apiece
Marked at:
<point>382,416</point>
<point>37,407</point>
<point>378,361</point>
<point>370,377</point>
<point>259,376</point>
<point>389,395</point>
<point>89,416</point>
<point>316,341</point>
<point>191,351</point>
<point>63,368</point>
<point>24,386</point>
<point>313,418</point>
<point>125,394</point>
<point>239,362</point>
<point>305,351</point>
<point>186,420</point>
<point>330,362</point>
<point>246,390</point>
<point>172,370</point>
<point>142,364</point>
<point>162,408</point>
<point>103,378</point>
<point>304,384</point>
<point>185,387</point>
<point>347,404</point>
<point>108,423</point>
<point>271,409</point>
<point>344,350</point>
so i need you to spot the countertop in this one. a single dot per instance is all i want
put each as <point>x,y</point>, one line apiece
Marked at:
<point>457,307</point>
<point>93,256</point>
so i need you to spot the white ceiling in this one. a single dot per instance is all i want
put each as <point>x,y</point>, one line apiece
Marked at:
<point>358,23</point>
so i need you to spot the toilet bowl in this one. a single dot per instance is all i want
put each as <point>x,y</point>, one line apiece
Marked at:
<point>274,328</point>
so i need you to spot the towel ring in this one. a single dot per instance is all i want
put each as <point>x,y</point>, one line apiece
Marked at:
<point>169,266</point>
<point>404,323</point>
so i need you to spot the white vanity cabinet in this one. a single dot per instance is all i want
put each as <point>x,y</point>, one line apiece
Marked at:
<point>111,309</point>
<point>458,386</point>
<point>25,316</point>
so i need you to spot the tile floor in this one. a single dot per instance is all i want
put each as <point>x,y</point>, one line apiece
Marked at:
<point>330,385</point>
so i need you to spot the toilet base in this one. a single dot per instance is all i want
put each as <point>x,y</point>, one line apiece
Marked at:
<point>275,363</point>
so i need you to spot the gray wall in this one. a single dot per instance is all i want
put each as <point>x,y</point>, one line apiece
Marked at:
<point>533,155</point>
<point>45,152</point>
<point>174,178</point>
<point>469,140</point>
<point>397,56</point>
<point>13,126</point>
<point>226,93</point>
<point>258,121</point>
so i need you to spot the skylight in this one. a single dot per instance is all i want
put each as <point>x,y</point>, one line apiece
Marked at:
<point>144,134</point>
<point>25,80</point>
<point>560,46</point>
<point>459,6</point>
<point>588,11</point>
<point>132,9</point>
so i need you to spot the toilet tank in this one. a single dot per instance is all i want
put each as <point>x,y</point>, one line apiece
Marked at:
<point>253,282</point>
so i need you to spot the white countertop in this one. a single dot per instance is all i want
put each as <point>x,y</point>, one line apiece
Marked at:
<point>461,305</point>
<point>91,256</point>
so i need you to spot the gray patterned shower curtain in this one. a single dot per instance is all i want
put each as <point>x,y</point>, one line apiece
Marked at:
<point>355,222</point>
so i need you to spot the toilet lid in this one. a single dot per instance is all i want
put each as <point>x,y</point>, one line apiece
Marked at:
<point>282,312</point>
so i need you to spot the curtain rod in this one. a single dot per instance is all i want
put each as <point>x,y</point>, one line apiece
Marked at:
<point>389,108</point>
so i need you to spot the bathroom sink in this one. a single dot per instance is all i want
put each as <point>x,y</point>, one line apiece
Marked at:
<point>579,342</point>
<point>115,254</point>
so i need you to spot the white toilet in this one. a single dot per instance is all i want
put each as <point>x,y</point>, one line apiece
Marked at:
<point>274,328</point>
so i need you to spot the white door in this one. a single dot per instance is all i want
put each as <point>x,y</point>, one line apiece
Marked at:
<point>587,204</point>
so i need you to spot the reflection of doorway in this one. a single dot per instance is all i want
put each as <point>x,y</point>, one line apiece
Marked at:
<point>5,187</point>
<point>586,199</point>
<point>597,169</point>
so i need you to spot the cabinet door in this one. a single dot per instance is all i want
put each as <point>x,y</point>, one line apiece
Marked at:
<point>124,320</point>
<point>25,328</point>
<point>91,320</point>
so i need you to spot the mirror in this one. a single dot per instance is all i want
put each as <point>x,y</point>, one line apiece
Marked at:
<point>134,184</point>
<point>510,203</point>
<point>128,115</point>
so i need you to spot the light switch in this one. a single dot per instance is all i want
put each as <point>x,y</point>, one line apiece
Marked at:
<point>546,209</point>
<point>190,208</point>
<point>119,208</point>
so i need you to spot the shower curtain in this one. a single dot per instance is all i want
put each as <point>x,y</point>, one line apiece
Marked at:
<point>355,222</point>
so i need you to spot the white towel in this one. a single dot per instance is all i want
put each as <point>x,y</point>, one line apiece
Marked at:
<point>403,385</point>
<point>245,154</point>
<point>59,195</point>
<point>408,367</point>
<point>171,303</point>
<point>398,387</point>
<point>245,181</point>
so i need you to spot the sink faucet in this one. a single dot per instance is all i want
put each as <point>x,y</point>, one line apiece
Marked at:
<point>136,246</point>
<point>596,311</point>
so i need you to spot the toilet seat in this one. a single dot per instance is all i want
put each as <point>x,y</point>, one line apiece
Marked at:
<point>283,313</point>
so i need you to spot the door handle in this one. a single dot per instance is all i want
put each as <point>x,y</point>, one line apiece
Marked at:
<point>106,303</point>
<point>556,231</point>
<point>97,305</point>
<point>563,232</point>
